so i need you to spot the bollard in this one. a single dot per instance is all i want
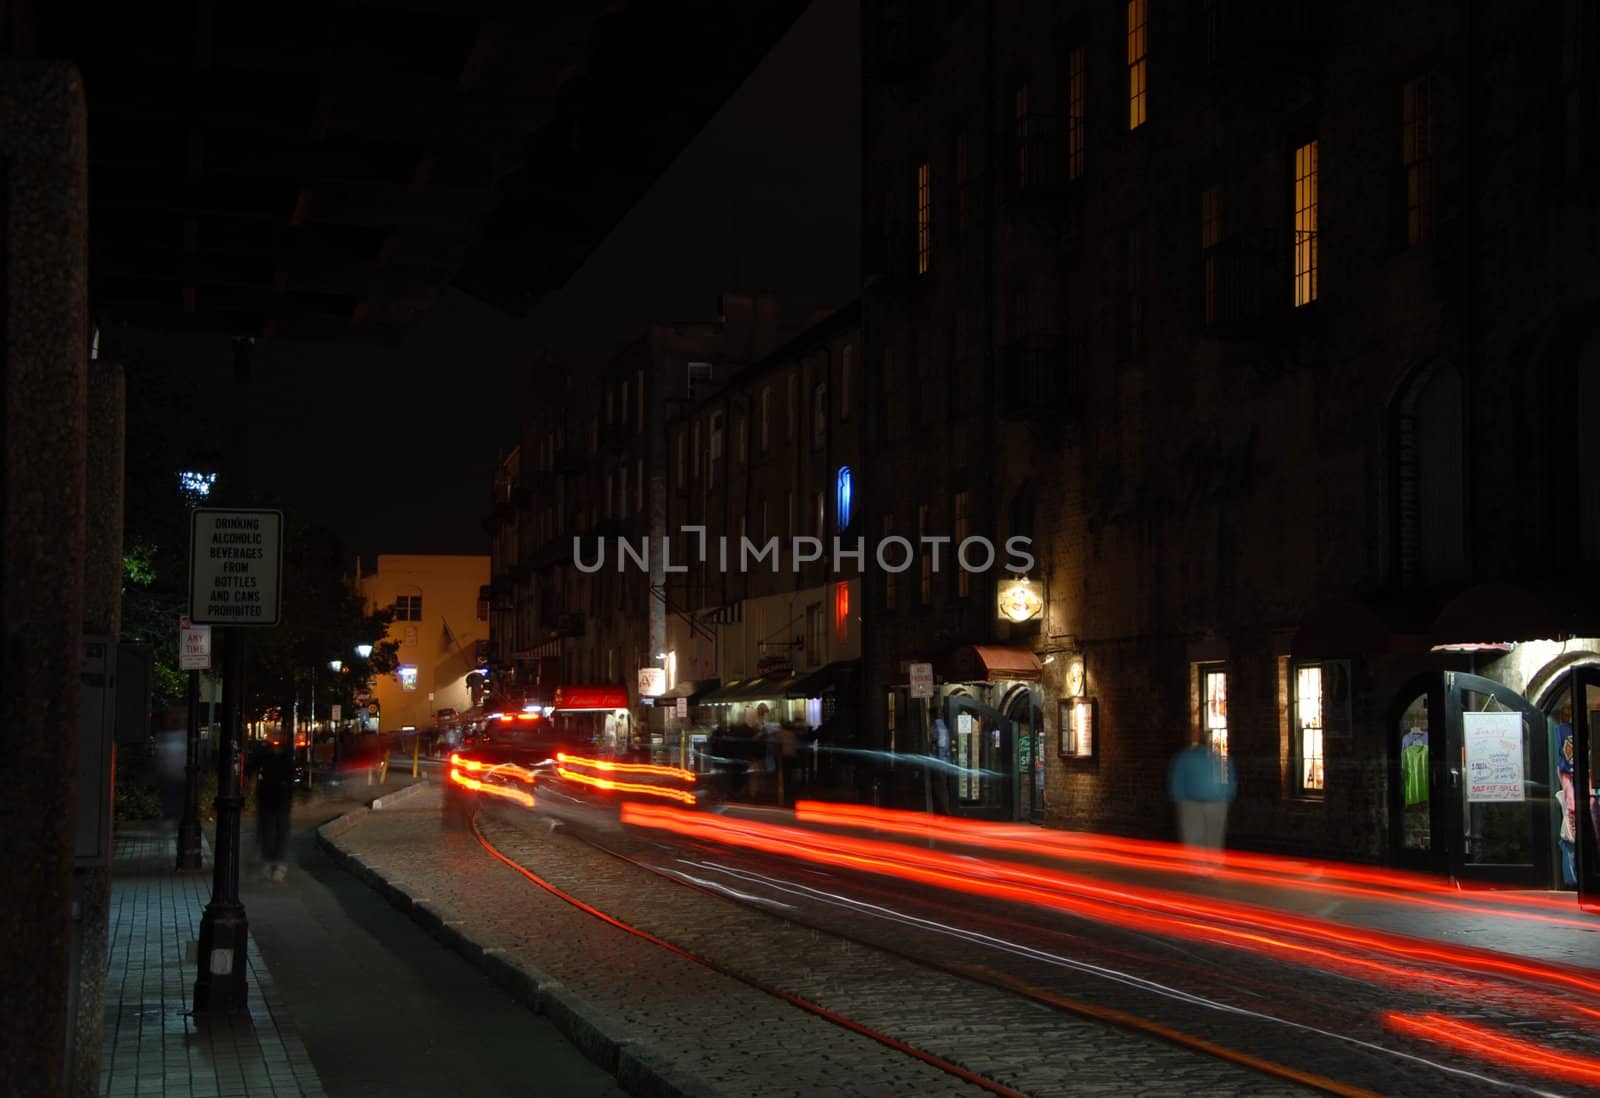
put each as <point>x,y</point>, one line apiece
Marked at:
<point>416,754</point>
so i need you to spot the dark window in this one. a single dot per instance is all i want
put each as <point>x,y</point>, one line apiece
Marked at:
<point>1416,150</point>
<point>408,608</point>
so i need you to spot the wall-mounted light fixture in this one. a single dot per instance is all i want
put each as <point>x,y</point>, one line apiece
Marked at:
<point>1074,679</point>
<point>1020,600</point>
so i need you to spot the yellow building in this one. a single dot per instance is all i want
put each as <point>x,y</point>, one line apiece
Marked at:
<point>439,622</point>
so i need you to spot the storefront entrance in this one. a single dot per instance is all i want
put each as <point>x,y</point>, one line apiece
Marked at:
<point>1028,721</point>
<point>1470,790</point>
<point>1572,709</point>
<point>982,782</point>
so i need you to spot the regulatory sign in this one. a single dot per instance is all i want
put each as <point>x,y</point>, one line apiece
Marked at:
<point>235,562</point>
<point>683,707</point>
<point>194,647</point>
<point>922,680</point>
<point>338,712</point>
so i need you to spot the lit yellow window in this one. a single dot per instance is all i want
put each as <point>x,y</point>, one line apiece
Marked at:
<point>1214,685</point>
<point>1136,63</point>
<point>1308,726</point>
<point>1305,224</point>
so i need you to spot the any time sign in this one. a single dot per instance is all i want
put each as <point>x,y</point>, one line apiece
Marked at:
<point>235,561</point>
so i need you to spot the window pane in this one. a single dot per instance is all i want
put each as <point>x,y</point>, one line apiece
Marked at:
<point>1309,727</point>
<point>1305,224</point>
<point>1215,692</point>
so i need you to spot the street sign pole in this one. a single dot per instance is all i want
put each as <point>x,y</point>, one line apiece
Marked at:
<point>220,987</point>
<point>194,655</point>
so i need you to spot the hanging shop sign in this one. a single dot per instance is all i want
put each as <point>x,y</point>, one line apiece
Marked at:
<point>652,682</point>
<point>1494,749</point>
<point>1020,600</point>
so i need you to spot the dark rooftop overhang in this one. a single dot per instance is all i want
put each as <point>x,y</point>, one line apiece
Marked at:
<point>323,170</point>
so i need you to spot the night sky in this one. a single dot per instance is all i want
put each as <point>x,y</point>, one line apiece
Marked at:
<point>394,447</point>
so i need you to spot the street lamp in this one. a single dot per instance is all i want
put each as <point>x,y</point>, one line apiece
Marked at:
<point>336,666</point>
<point>364,651</point>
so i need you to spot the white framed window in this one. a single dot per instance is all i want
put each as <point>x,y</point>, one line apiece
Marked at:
<point>1214,706</point>
<point>1309,716</point>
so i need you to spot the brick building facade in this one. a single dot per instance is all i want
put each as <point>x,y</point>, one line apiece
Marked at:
<point>1278,339</point>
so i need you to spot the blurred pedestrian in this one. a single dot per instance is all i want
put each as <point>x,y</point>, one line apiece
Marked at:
<point>274,794</point>
<point>1202,782</point>
<point>1567,797</point>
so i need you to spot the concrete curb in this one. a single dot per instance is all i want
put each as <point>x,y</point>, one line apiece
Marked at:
<point>591,1028</point>
<point>392,800</point>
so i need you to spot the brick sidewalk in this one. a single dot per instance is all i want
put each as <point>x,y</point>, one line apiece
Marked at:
<point>153,1044</point>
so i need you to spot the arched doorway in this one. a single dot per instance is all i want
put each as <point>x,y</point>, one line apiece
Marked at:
<point>1469,788</point>
<point>1571,704</point>
<point>1021,705</point>
<point>982,777</point>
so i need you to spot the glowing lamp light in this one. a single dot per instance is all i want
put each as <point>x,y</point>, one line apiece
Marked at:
<point>364,651</point>
<point>844,496</point>
<point>197,485</point>
<point>336,666</point>
<point>1020,600</point>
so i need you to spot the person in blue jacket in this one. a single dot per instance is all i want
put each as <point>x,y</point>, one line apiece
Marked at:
<point>1202,782</point>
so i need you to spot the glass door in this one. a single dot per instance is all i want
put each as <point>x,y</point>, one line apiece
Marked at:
<point>983,751</point>
<point>1418,777</point>
<point>1499,802</point>
<point>1576,748</point>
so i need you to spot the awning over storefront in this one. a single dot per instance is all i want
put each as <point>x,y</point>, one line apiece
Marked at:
<point>835,678</point>
<point>756,688</point>
<point>1502,613</point>
<point>570,698</point>
<point>694,690</point>
<point>547,650</point>
<point>991,663</point>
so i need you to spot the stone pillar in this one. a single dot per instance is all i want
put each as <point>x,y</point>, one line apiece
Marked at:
<point>102,614</point>
<point>43,210</point>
